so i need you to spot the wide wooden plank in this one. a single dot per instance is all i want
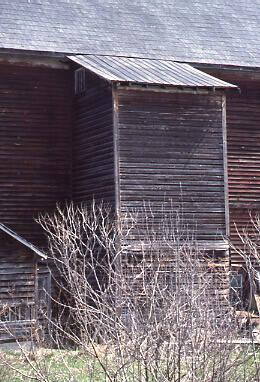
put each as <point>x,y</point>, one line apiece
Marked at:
<point>93,153</point>
<point>171,154</point>
<point>35,118</point>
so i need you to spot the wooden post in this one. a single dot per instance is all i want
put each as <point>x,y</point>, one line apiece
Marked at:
<point>225,163</point>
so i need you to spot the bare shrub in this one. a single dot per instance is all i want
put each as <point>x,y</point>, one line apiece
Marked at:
<point>139,306</point>
<point>249,250</point>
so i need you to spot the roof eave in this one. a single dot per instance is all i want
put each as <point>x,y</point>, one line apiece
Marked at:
<point>23,241</point>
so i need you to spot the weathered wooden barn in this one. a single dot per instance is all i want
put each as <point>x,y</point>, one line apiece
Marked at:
<point>130,102</point>
<point>19,281</point>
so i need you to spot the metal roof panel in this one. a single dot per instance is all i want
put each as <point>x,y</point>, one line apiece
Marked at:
<point>148,71</point>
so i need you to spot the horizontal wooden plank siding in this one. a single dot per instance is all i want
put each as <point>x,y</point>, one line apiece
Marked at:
<point>93,152</point>
<point>243,146</point>
<point>18,290</point>
<point>243,121</point>
<point>171,157</point>
<point>35,120</point>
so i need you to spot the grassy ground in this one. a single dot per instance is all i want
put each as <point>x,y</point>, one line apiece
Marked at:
<point>64,366</point>
<point>52,366</point>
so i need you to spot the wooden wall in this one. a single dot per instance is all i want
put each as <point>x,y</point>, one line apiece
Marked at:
<point>171,157</point>
<point>243,121</point>
<point>243,144</point>
<point>17,274</point>
<point>35,119</point>
<point>93,150</point>
<point>18,289</point>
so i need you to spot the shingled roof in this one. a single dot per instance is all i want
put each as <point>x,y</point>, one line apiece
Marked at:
<point>205,31</point>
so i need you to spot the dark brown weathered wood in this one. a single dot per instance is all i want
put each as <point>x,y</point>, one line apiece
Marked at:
<point>163,141</point>
<point>171,150</point>
<point>116,150</point>
<point>127,146</point>
<point>225,163</point>
<point>18,288</point>
<point>35,152</point>
<point>243,152</point>
<point>93,146</point>
<point>35,119</point>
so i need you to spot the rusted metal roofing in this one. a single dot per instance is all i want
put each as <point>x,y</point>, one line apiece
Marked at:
<point>147,71</point>
<point>21,240</point>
